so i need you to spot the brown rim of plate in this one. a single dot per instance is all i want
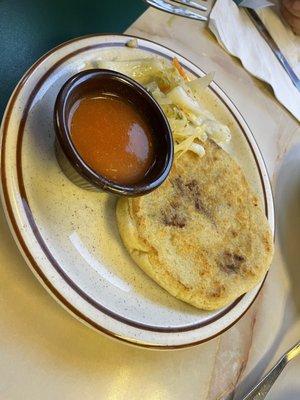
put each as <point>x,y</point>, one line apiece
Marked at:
<point>36,233</point>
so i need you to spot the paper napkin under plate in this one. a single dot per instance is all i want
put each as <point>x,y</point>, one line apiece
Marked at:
<point>236,32</point>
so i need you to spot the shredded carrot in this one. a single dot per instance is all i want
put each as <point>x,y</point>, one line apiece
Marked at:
<point>164,87</point>
<point>179,68</point>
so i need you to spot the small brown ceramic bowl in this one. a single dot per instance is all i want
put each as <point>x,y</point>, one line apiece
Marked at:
<point>109,82</point>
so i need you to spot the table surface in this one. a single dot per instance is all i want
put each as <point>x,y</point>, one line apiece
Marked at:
<point>44,352</point>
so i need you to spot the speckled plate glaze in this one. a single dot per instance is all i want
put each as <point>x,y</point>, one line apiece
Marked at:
<point>69,237</point>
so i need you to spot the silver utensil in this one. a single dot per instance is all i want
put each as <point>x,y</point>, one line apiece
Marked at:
<point>187,13</point>
<point>272,44</point>
<point>182,12</point>
<point>261,390</point>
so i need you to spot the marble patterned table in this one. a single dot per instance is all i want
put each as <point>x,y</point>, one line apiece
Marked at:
<point>47,354</point>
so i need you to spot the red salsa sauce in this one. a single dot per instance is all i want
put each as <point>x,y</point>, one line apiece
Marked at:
<point>112,138</point>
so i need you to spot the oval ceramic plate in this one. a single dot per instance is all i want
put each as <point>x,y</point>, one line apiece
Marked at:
<point>69,236</point>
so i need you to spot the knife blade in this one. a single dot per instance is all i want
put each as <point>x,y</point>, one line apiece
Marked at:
<point>272,44</point>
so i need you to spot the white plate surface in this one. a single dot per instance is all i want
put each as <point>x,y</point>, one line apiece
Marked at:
<point>69,236</point>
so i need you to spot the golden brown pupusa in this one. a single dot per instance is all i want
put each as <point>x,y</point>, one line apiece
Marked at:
<point>202,235</point>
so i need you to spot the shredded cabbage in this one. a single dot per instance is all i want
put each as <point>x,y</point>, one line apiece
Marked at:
<point>199,84</point>
<point>179,97</point>
<point>197,148</point>
<point>141,70</point>
<point>182,99</point>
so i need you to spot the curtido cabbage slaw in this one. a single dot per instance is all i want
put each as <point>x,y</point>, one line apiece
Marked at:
<point>179,97</point>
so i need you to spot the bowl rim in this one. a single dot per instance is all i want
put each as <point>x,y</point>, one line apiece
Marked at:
<point>76,160</point>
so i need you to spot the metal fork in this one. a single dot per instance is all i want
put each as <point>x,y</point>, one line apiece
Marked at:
<point>260,391</point>
<point>182,12</point>
<point>186,12</point>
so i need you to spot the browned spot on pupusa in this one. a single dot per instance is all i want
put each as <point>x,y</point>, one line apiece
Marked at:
<point>230,262</point>
<point>179,185</point>
<point>195,195</point>
<point>267,243</point>
<point>219,289</point>
<point>190,191</point>
<point>193,186</point>
<point>172,216</point>
<point>255,201</point>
